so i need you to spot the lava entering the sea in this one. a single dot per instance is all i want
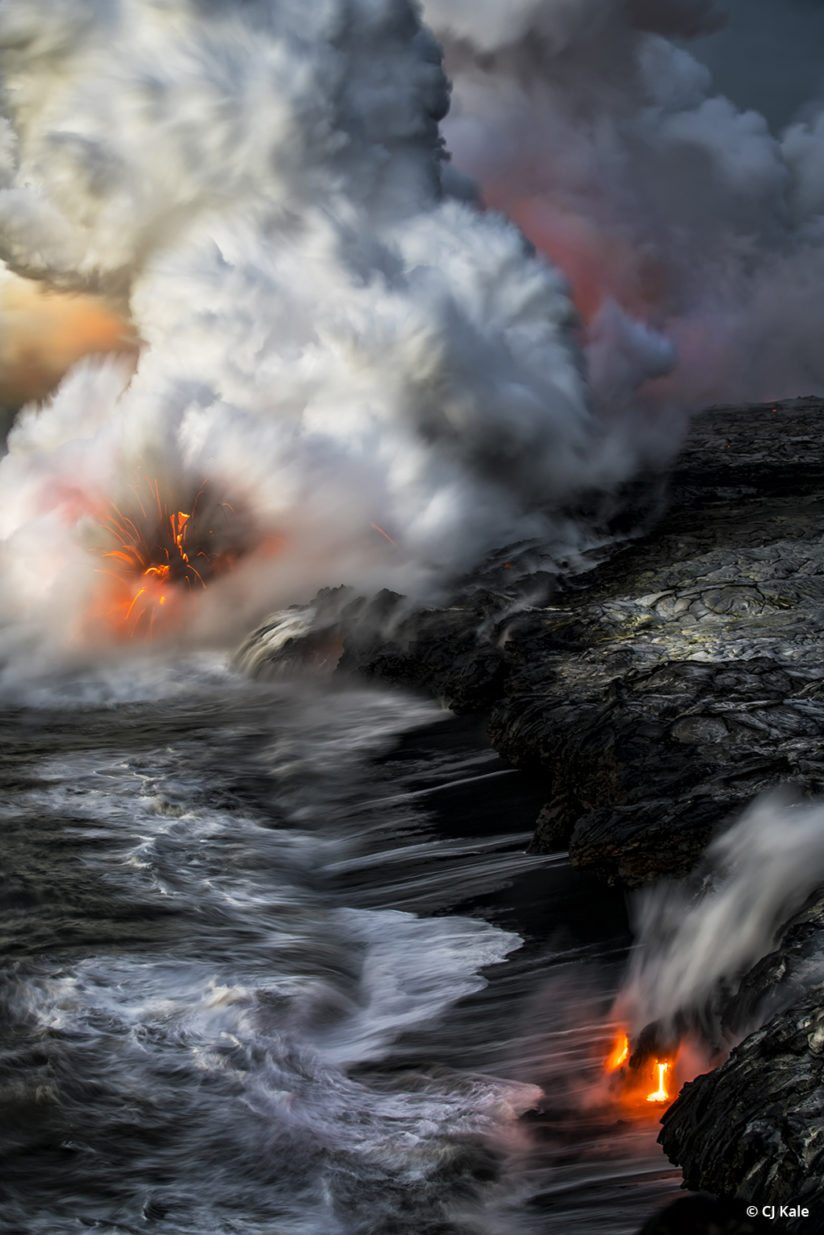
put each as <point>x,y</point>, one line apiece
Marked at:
<point>661,1094</point>
<point>639,1079</point>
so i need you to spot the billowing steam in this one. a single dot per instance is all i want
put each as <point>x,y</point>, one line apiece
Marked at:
<point>335,339</point>
<point>42,334</point>
<point>759,873</point>
<point>381,377</point>
<point>677,216</point>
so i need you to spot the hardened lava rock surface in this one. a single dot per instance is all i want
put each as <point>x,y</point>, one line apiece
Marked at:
<point>654,694</point>
<point>754,1128</point>
<point>693,676</point>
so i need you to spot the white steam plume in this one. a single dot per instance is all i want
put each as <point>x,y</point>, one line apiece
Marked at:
<point>378,376</point>
<point>665,204</point>
<point>761,872</point>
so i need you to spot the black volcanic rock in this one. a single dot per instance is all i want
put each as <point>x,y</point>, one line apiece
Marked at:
<point>655,695</point>
<point>685,674</point>
<point>660,691</point>
<point>784,976</point>
<point>754,1128</point>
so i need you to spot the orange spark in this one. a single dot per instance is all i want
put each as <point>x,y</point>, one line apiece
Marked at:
<point>376,527</point>
<point>178,522</point>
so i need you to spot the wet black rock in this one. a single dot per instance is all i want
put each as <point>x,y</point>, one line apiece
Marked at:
<point>659,691</point>
<point>783,977</point>
<point>654,695</point>
<point>754,1128</point>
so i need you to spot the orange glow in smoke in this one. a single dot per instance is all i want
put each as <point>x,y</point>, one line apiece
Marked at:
<point>661,1094</point>
<point>149,566</point>
<point>600,261</point>
<point>44,332</point>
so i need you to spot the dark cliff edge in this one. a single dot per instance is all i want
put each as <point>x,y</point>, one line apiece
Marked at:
<point>657,693</point>
<point>754,1128</point>
<point>652,697</point>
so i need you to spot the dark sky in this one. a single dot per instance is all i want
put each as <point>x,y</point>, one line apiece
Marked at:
<point>770,55</point>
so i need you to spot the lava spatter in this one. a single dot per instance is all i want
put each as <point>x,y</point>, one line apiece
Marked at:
<point>155,557</point>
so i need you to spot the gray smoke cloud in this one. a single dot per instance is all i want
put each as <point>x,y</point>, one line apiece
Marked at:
<point>348,371</point>
<point>680,218</point>
<point>347,374</point>
<point>759,873</point>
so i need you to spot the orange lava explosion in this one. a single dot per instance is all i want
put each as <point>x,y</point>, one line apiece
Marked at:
<point>161,549</point>
<point>161,556</point>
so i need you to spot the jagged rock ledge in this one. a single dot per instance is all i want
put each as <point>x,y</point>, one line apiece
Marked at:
<point>754,1128</point>
<point>656,693</point>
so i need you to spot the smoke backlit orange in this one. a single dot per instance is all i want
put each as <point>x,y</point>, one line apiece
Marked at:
<point>600,262</point>
<point>44,332</point>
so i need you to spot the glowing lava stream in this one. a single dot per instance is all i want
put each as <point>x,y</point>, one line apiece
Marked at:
<point>660,1094</point>
<point>632,1077</point>
<point>619,1054</point>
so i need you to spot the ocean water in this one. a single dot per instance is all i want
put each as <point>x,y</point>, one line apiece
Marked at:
<point>276,961</point>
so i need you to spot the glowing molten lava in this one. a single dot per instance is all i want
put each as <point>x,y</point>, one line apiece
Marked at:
<point>639,1081</point>
<point>619,1054</point>
<point>161,555</point>
<point>661,1094</point>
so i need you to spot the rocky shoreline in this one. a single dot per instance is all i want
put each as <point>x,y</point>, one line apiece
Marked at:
<point>654,695</point>
<point>658,692</point>
<point>753,1127</point>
